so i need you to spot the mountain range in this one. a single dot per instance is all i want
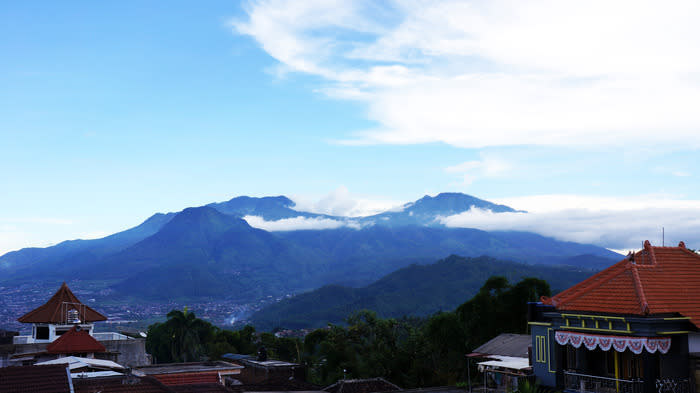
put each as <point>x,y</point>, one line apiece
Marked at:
<point>212,252</point>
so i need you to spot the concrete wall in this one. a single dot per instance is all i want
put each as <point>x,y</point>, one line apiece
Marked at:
<point>544,354</point>
<point>130,353</point>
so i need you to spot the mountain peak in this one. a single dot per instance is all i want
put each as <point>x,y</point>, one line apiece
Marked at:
<point>279,200</point>
<point>454,203</point>
<point>271,208</point>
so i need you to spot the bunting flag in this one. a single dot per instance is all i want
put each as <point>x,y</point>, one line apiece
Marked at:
<point>619,343</point>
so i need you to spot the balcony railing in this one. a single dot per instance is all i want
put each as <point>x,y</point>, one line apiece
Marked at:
<point>673,385</point>
<point>506,382</point>
<point>582,383</point>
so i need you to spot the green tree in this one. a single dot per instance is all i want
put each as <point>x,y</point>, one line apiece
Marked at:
<point>189,335</point>
<point>181,338</point>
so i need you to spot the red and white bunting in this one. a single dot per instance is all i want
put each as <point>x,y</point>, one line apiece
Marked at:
<point>619,343</point>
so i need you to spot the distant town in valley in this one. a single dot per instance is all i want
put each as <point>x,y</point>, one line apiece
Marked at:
<point>134,315</point>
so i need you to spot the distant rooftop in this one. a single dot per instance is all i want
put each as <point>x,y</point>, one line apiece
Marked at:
<point>177,368</point>
<point>268,363</point>
<point>236,356</point>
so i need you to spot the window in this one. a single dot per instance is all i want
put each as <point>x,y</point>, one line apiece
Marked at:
<point>541,349</point>
<point>42,333</point>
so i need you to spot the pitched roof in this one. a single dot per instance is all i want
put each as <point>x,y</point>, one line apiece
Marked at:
<point>361,386</point>
<point>654,280</point>
<point>27,379</point>
<point>55,310</point>
<point>76,341</point>
<point>505,344</point>
<point>188,378</point>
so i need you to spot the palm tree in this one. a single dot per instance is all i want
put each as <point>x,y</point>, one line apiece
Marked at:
<point>188,333</point>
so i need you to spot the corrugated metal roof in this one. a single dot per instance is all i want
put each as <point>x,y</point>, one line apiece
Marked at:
<point>506,344</point>
<point>75,362</point>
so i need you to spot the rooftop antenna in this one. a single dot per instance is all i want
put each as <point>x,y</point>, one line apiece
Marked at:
<point>663,237</point>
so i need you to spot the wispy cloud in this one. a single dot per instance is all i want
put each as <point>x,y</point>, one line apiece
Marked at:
<point>487,166</point>
<point>616,223</point>
<point>493,73</point>
<point>341,202</point>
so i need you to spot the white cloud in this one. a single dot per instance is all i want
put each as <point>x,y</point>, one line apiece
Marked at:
<point>296,223</point>
<point>558,202</point>
<point>340,202</point>
<point>615,223</point>
<point>503,72</point>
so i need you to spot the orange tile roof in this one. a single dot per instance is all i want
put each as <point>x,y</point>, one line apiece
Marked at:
<point>654,280</point>
<point>54,310</point>
<point>75,341</point>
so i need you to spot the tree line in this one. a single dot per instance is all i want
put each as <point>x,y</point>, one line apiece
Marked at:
<point>410,352</point>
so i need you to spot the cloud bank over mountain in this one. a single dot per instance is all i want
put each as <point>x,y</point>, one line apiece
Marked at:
<point>615,223</point>
<point>297,223</point>
<point>495,73</point>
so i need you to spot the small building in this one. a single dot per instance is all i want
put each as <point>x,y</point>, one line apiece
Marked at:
<point>65,326</point>
<point>260,371</point>
<point>632,327</point>
<point>504,361</point>
<point>58,315</point>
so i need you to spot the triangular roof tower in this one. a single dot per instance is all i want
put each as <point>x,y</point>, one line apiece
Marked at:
<point>56,310</point>
<point>652,281</point>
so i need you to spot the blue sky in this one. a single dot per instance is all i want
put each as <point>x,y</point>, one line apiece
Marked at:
<point>110,112</point>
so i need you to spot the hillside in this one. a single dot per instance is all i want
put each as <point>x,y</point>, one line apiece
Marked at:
<point>416,290</point>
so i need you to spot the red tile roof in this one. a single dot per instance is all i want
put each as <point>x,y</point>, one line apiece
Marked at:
<point>654,280</point>
<point>188,378</point>
<point>120,384</point>
<point>75,341</point>
<point>31,379</point>
<point>55,310</point>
